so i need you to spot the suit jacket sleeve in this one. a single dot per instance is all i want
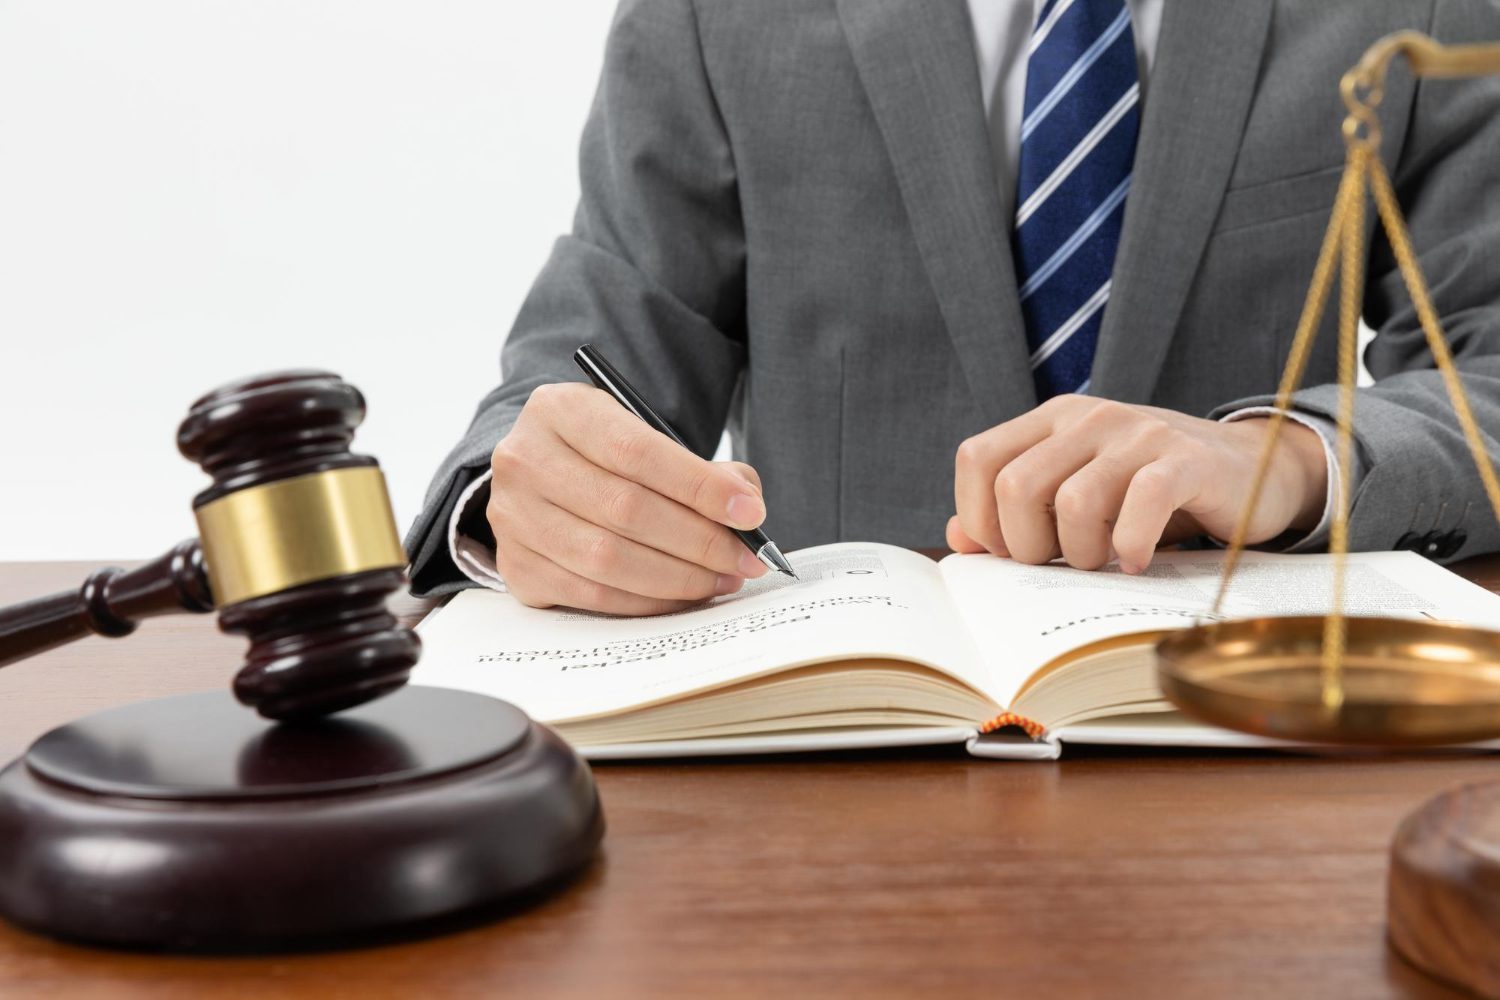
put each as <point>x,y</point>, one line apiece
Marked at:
<point>1420,477</point>
<point>653,271</point>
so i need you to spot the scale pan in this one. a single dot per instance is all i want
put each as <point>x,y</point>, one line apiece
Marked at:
<point>1406,682</point>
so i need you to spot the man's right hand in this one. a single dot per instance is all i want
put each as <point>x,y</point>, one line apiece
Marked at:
<point>593,509</point>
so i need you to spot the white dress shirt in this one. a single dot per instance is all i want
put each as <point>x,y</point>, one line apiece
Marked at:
<point>1001,31</point>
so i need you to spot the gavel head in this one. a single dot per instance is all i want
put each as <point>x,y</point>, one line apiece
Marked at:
<point>299,542</point>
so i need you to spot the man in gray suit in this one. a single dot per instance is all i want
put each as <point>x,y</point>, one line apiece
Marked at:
<point>1062,241</point>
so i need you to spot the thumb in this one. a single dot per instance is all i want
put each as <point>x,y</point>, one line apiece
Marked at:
<point>746,472</point>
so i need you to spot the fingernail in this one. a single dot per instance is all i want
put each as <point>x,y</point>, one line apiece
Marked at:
<point>751,566</point>
<point>745,510</point>
<point>1129,569</point>
<point>726,584</point>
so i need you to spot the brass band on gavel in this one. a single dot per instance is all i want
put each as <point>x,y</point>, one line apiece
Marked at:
<point>279,535</point>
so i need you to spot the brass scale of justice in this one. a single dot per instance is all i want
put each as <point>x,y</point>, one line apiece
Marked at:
<point>1370,681</point>
<point>1335,679</point>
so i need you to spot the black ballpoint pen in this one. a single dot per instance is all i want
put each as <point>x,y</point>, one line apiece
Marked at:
<point>603,375</point>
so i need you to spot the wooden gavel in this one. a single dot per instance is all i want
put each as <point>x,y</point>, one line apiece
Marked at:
<point>297,550</point>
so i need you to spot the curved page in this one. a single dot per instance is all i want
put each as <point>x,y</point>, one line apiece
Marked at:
<point>1024,617</point>
<point>853,601</point>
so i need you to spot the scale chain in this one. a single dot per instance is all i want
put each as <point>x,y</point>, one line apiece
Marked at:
<point>1344,246</point>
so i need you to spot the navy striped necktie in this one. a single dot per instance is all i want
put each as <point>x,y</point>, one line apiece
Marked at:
<point>1078,137</point>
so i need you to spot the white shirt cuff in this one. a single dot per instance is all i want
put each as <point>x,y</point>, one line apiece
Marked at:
<point>473,558</point>
<point>1327,432</point>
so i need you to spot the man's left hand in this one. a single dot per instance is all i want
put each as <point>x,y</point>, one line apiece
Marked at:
<point>1090,480</point>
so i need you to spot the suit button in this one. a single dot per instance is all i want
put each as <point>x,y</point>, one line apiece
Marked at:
<point>1452,542</point>
<point>1411,541</point>
<point>1432,544</point>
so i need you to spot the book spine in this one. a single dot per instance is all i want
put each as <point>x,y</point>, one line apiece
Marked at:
<point>1033,729</point>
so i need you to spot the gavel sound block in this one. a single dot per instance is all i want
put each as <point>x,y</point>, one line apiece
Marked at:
<point>347,805</point>
<point>1443,897</point>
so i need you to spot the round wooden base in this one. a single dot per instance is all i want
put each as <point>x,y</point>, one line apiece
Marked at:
<point>190,823</point>
<point>1444,899</point>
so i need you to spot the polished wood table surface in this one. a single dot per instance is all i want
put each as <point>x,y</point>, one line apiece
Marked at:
<point>877,874</point>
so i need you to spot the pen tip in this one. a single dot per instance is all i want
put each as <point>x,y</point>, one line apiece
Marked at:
<point>772,557</point>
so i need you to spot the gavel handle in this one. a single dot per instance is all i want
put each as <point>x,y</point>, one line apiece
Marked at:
<point>111,602</point>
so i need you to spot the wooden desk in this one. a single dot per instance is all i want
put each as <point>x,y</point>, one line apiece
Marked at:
<point>910,873</point>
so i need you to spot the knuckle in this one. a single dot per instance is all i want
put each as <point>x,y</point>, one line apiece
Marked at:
<point>544,398</point>
<point>1194,451</point>
<point>1011,485</point>
<point>970,452</point>
<point>601,553</point>
<point>1074,502</point>
<point>748,471</point>
<point>623,508</point>
<point>1099,414</point>
<point>1154,480</point>
<point>505,518</point>
<point>504,462</point>
<point>627,450</point>
<point>1150,431</point>
<point>1174,439</point>
<point>1111,407</point>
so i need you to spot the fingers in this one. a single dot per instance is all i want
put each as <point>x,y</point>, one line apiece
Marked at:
<point>602,431</point>
<point>1087,479</point>
<point>1086,505</point>
<point>747,472</point>
<point>593,509</point>
<point>1027,496</point>
<point>602,556</point>
<point>1156,491</point>
<point>641,515</point>
<point>981,459</point>
<point>538,582</point>
<point>958,540</point>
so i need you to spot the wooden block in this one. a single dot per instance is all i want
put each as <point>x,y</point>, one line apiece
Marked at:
<point>1444,900</point>
<point>190,824</point>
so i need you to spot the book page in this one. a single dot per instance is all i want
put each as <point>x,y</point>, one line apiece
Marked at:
<point>853,601</point>
<point>1022,617</point>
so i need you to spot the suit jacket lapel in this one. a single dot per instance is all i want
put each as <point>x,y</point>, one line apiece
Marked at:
<point>1197,100</point>
<point>916,61</point>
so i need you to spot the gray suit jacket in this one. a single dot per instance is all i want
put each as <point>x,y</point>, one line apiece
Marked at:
<point>790,225</point>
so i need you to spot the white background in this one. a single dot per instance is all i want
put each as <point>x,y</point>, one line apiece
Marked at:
<point>196,190</point>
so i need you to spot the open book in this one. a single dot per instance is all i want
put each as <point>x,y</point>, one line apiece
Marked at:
<point>878,646</point>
